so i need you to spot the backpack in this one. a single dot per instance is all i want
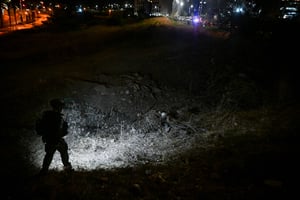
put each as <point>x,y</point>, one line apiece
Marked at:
<point>40,126</point>
<point>51,126</point>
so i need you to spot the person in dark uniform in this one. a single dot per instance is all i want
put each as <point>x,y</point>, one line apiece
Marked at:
<point>54,128</point>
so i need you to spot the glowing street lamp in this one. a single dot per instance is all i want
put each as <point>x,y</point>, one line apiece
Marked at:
<point>191,8</point>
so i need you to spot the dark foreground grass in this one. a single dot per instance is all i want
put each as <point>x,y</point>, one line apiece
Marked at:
<point>259,163</point>
<point>257,169</point>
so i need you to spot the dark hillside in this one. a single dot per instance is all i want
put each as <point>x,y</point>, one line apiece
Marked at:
<point>231,101</point>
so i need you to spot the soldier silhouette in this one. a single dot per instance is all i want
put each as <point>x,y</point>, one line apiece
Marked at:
<point>52,127</point>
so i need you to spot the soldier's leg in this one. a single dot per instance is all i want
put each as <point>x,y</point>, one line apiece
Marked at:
<point>50,150</point>
<point>63,150</point>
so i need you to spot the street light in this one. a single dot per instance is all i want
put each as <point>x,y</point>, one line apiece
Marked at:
<point>21,14</point>
<point>21,5</point>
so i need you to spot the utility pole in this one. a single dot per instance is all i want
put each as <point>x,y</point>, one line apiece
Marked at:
<point>21,13</point>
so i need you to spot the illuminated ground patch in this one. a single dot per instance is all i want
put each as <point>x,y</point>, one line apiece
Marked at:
<point>128,124</point>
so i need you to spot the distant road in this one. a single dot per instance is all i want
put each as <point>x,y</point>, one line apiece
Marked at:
<point>15,27</point>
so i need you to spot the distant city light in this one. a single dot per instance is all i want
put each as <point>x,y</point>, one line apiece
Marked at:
<point>239,10</point>
<point>196,19</point>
